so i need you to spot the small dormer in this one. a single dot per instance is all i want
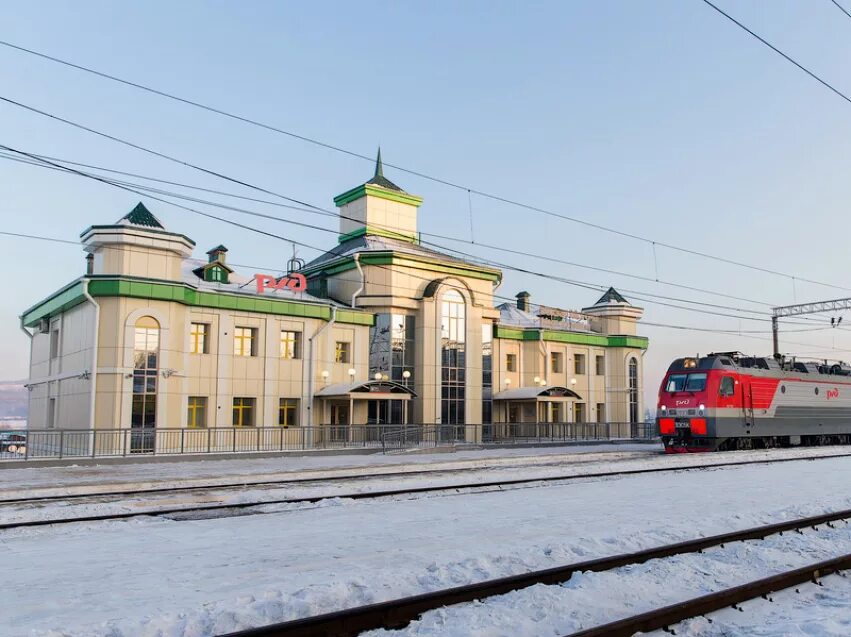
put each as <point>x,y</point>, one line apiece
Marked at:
<point>215,270</point>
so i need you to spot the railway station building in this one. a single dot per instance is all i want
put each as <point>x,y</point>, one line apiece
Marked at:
<point>378,330</point>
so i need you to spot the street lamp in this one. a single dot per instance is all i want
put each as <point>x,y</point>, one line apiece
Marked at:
<point>377,376</point>
<point>325,374</point>
<point>352,372</point>
<point>536,380</point>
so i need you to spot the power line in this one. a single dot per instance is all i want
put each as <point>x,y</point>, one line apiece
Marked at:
<point>592,286</point>
<point>742,333</point>
<point>338,215</point>
<point>445,182</point>
<point>818,79</point>
<point>841,8</point>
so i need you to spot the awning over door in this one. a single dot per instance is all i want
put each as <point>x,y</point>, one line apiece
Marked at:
<point>369,390</point>
<point>538,394</point>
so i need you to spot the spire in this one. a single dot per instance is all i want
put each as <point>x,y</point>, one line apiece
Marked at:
<point>379,168</point>
<point>378,179</point>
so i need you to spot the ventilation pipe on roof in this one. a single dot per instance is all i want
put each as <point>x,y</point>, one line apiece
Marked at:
<point>523,303</point>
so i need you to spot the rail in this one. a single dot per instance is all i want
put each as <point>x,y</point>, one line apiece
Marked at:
<point>398,613</point>
<point>22,445</point>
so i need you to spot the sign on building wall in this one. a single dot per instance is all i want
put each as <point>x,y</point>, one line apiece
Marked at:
<point>295,282</point>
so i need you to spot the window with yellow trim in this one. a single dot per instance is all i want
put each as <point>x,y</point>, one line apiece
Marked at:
<point>288,412</point>
<point>243,412</point>
<point>342,352</point>
<point>199,338</point>
<point>244,341</point>
<point>290,344</point>
<point>196,417</point>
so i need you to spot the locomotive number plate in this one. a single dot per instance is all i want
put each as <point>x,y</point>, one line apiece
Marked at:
<point>682,423</point>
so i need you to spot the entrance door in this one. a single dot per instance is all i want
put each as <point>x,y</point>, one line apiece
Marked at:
<point>339,421</point>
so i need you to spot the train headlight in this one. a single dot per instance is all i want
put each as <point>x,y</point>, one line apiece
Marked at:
<point>701,408</point>
<point>663,409</point>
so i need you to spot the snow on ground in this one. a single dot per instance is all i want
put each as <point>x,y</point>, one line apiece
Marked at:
<point>32,480</point>
<point>592,599</point>
<point>156,577</point>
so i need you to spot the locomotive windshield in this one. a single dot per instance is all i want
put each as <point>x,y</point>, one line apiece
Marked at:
<point>685,382</point>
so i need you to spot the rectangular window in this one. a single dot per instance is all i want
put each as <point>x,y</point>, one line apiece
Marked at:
<point>198,338</point>
<point>579,364</point>
<point>244,341</point>
<point>288,412</point>
<point>601,412</point>
<point>579,411</point>
<point>556,366</point>
<point>290,344</point>
<point>51,413</point>
<point>601,365</point>
<point>243,412</point>
<point>728,386</point>
<point>511,362</point>
<point>196,417</point>
<point>54,343</point>
<point>342,353</point>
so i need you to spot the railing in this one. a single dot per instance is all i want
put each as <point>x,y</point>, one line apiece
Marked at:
<point>75,443</point>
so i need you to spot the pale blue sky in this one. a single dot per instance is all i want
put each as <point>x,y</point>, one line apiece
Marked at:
<point>661,118</point>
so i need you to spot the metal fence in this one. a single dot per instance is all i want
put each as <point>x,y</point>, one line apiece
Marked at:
<point>71,443</point>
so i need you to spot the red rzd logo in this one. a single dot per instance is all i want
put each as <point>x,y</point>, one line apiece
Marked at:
<point>295,282</point>
<point>833,393</point>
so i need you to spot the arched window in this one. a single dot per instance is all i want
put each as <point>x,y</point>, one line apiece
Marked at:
<point>633,389</point>
<point>453,329</point>
<point>146,354</point>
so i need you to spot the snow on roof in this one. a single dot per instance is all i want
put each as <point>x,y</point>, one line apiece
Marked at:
<point>510,315</point>
<point>240,284</point>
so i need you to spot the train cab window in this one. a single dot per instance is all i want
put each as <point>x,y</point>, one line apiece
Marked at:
<point>696,382</point>
<point>728,386</point>
<point>676,382</point>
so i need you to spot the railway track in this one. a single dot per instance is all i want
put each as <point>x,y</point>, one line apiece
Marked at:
<point>305,480</point>
<point>668,616</point>
<point>366,495</point>
<point>242,485</point>
<point>398,613</point>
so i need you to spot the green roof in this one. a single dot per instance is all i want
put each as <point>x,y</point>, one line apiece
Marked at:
<point>612,296</point>
<point>141,216</point>
<point>379,179</point>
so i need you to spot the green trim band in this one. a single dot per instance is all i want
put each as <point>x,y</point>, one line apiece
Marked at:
<point>576,338</point>
<point>379,232</point>
<point>184,294</point>
<point>376,191</point>
<point>406,260</point>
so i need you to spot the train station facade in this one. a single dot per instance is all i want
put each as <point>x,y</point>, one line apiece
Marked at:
<point>378,330</point>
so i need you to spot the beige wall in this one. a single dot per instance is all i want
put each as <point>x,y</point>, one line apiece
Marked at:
<point>58,378</point>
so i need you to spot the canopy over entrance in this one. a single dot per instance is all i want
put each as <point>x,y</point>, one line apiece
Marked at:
<point>369,390</point>
<point>539,394</point>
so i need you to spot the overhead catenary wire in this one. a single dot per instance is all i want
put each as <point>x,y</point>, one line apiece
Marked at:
<point>493,197</point>
<point>841,8</point>
<point>338,215</point>
<point>644,296</point>
<point>52,164</point>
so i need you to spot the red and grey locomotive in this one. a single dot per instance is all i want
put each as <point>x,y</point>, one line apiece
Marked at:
<point>728,401</point>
